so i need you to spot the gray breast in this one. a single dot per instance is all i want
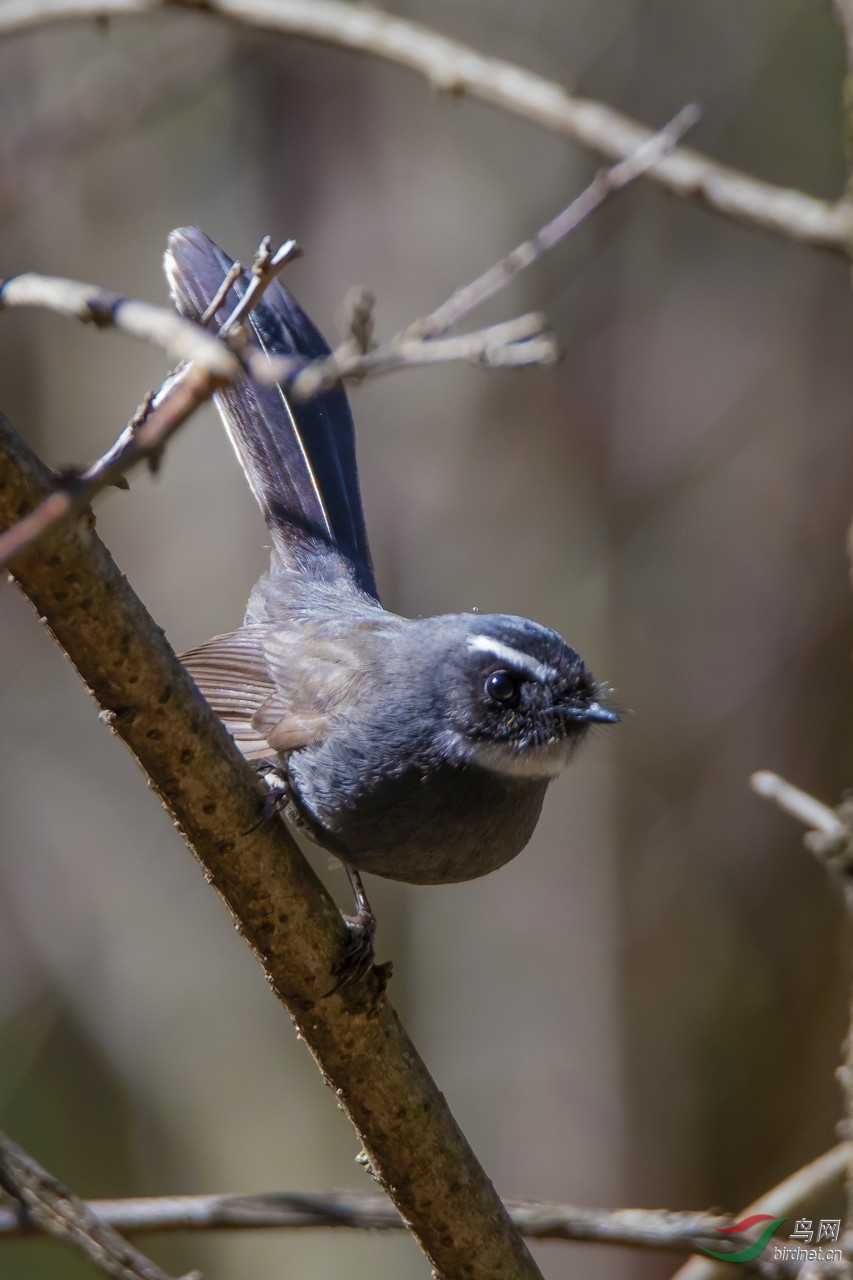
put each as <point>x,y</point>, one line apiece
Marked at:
<point>426,823</point>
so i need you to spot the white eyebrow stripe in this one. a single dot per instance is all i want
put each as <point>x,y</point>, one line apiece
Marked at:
<point>512,657</point>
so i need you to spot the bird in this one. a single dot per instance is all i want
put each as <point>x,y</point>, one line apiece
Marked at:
<point>417,749</point>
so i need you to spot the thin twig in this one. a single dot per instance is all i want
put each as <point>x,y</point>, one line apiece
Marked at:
<point>208,364</point>
<point>73,497</point>
<point>802,1188</point>
<point>126,451</point>
<point>214,364</point>
<point>830,839</point>
<point>51,1208</point>
<point>366,1211</point>
<point>516,342</point>
<point>181,339</point>
<point>234,273</point>
<point>458,69</point>
<point>357,314</point>
<point>265,267</point>
<point>807,809</point>
<point>604,185</point>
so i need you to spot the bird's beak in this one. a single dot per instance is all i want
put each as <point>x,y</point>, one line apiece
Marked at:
<point>591,712</point>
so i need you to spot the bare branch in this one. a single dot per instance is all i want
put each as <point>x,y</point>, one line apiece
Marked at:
<point>50,1207</point>
<point>125,451</point>
<point>265,267</point>
<point>808,810</point>
<point>214,364</point>
<point>181,339</point>
<point>456,68</point>
<point>604,185</point>
<point>795,1192</point>
<point>365,1211</point>
<point>516,342</point>
<point>415,1148</point>
<point>73,497</point>
<point>830,839</point>
<point>234,273</point>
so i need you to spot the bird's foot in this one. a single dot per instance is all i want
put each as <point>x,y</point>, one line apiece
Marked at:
<point>358,956</point>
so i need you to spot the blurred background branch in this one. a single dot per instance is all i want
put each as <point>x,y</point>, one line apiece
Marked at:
<point>211,362</point>
<point>49,1206</point>
<point>830,837</point>
<point>454,68</point>
<point>800,1189</point>
<point>299,1210</point>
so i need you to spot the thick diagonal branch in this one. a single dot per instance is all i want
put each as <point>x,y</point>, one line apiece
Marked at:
<point>415,1148</point>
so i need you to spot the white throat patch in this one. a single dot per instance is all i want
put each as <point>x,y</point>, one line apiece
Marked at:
<point>545,761</point>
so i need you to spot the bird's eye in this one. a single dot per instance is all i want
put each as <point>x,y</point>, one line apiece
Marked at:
<point>503,688</point>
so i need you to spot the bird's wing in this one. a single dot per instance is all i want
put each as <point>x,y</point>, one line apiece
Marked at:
<point>231,672</point>
<point>274,688</point>
<point>316,677</point>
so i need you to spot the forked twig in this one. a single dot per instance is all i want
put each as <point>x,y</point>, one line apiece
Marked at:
<point>223,360</point>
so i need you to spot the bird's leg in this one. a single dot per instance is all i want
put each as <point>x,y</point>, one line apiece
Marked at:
<point>357,960</point>
<point>364,919</point>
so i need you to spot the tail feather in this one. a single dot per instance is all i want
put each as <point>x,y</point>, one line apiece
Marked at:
<point>299,458</point>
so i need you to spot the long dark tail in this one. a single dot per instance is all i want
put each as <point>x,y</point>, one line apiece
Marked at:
<point>299,458</point>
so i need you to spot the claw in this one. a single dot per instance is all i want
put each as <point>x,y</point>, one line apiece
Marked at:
<point>357,959</point>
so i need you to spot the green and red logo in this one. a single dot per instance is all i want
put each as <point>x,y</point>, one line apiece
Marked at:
<point>752,1250</point>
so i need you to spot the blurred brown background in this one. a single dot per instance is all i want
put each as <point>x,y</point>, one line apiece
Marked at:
<point>646,1007</point>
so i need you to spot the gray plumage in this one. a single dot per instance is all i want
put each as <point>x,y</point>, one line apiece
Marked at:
<point>416,749</point>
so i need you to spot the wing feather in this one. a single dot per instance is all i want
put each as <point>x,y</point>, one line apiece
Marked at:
<point>231,673</point>
<point>261,714</point>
